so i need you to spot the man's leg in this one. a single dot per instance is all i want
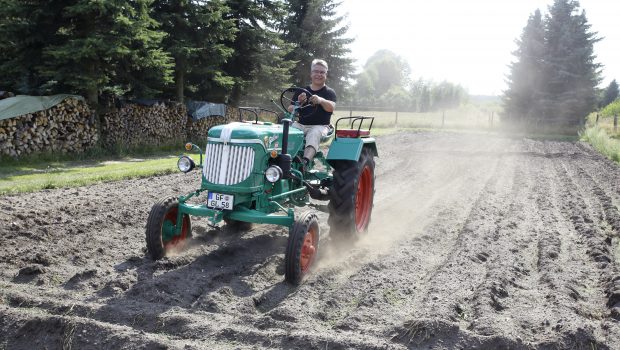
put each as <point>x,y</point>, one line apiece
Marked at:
<point>313,138</point>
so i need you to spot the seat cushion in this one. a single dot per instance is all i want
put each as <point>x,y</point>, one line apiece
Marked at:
<point>352,133</point>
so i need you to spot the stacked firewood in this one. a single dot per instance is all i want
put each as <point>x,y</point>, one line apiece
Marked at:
<point>135,124</point>
<point>197,129</point>
<point>68,127</point>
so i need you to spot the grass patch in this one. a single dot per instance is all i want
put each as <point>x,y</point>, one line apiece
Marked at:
<point>464,117</point>
<point>602,142</point>
<point>32,177</point>
<point>55,170</point>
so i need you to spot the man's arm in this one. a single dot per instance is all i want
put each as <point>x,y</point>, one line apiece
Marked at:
<point>299,97</point>
<point>328,106</point>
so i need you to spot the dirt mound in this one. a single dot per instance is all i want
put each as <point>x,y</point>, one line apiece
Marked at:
<point>477,241</point>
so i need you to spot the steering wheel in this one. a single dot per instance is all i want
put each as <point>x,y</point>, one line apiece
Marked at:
<point>286,101</point>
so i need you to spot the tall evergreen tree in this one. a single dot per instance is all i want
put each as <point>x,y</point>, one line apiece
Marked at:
<point>610,94</point>
<point>554,85</point>
<point>316,31</point>
<point>82,47</point>
<point>525,81</point>
<point>196,31</point>
<point>26,28</point>
<point>111,45</point>
<point>257,65</point>
<point>570,71</point>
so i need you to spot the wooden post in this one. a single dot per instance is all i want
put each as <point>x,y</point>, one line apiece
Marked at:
<point>351,111</point>
<point>615,123</point>
<point>396,120</point>
<point>597,115</point>
<point>443,119</point>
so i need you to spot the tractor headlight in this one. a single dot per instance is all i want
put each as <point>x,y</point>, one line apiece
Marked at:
<point>273,173</point>
<point>185,164</point>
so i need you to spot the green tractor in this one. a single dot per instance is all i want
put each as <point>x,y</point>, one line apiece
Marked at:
<point>252,172</point>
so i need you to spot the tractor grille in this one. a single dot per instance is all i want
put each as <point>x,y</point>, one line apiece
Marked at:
<point>227,164</point>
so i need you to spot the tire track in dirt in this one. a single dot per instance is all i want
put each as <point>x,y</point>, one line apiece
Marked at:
<point>455,287</point>
<point>351,305</point>
<point>603,235</point>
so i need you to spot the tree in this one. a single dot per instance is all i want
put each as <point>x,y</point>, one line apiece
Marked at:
<point>26,28</point>
<point>364,90</point>
<point>554,84</point>
<point>315,31</point>
<point>382,72</point>
<point>610,94</point>
<point>396,97</point>
<point>196,31</point>
<point>82,46</point>
<point>257,66</point>
<point>570,73</point>
<point>112,45</point>
<point>525,80</point>
<point>446,95</point>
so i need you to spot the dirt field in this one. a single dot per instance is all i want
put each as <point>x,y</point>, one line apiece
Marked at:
<point>477,242</point>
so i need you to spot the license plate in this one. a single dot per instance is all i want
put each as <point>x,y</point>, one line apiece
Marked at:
<point>220,201</point>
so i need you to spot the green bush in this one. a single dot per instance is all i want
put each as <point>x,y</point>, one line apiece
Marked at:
<point>601,141</point>
<point>611,109</point>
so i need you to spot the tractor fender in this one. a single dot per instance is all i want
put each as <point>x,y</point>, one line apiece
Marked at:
<point>350,148</point>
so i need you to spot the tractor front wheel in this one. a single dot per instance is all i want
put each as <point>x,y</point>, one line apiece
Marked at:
<point>161,236</point>
<point>352,195</point>
<point>302,247</point>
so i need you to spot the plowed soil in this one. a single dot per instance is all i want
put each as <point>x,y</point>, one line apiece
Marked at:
<point>476,242</point>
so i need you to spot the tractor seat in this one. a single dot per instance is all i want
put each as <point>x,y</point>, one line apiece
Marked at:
<point>327,139</point>
<point>352,133</point>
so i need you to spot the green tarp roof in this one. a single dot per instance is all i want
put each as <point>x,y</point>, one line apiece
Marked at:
<point>19,105</point>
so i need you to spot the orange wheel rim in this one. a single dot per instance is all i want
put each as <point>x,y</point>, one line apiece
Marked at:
<point>178,241</point>
<point>308,249</point>
<point>363,199</point>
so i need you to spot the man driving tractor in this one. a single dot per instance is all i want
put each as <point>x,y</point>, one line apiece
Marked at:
<point>314,121</point>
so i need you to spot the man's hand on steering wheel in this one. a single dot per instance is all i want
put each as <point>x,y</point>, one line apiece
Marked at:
<point>302,99</point>
<point>313,100</point>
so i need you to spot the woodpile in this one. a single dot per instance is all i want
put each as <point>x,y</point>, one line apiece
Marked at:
<point>135,125</point>
<point>68,127</point>
<point>197,130</point>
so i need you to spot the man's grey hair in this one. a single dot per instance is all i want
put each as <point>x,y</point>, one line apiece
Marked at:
<point>319,62</point>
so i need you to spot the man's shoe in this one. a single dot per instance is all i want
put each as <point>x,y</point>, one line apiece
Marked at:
<point>305,164</point>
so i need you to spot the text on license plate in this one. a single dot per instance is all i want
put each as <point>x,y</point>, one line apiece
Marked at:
<point>220,201</point>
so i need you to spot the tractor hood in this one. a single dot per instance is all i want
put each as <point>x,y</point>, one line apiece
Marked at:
<point>267,135</point>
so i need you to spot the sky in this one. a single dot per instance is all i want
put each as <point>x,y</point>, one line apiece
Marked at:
<point>466,42</point>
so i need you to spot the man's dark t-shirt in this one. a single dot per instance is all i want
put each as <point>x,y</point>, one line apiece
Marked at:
<point>321,116</point>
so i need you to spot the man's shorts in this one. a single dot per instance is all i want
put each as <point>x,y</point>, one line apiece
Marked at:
<point>312,133</point>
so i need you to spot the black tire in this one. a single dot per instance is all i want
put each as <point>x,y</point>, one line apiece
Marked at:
<point>162,215</point>
<point>235,225</point>
<point>349,216</point>
<point>302,247</point>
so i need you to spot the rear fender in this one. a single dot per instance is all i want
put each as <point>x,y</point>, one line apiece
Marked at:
<point>350,148</point>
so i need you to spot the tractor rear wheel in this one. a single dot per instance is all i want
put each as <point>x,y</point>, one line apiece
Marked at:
<point>161,237</point>
<point>352,194</point>
<point>302,247</point>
